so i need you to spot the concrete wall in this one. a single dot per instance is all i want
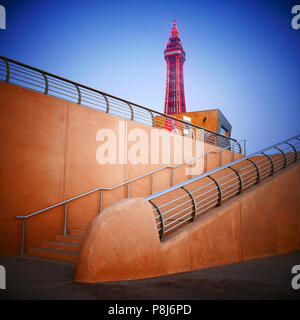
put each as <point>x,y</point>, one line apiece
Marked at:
<point>122,243</point>
<point>48,154</point>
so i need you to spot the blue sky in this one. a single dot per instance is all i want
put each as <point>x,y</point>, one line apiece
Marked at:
<point>241,56</point>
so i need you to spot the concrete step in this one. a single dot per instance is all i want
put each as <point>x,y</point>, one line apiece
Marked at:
<point>69,238</point>
<point>84,226</point>
<point>53,254</point>
<point>77,232</point>
<point>61,245</point>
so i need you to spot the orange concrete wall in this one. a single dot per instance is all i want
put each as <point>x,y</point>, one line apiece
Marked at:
<point>122,243</point>
<point>48,154</point>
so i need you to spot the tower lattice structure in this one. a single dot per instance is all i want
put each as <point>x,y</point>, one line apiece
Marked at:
<point>175,57</point>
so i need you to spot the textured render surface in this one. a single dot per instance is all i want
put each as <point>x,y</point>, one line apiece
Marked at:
<point>270,216</point>
<point>213,239</point>
<point>49,154</point>
<point>123,243</point>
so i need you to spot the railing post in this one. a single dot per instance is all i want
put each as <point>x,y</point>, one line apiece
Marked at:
<point>131,110</point>
<point>240,179</point>
<point>79,94</point>
<point>128,190</point>
<point>257,170</point>
<point>107,103</point>
<point>173,125</point>
<point>152,118</point>
<point>271,161</point>
<point>284,157</point>
<point>162,220</point>
<point>219,190</point>
<point>152,183</point>
<point>193,201</point>
<point>65,219</point>
<point>245,151</point>
<point>101,201</point>
<point>46,83</point>
<point>23,236</point>
<point>239,146</point>
<point>295,151</point>
<point>7,70</point>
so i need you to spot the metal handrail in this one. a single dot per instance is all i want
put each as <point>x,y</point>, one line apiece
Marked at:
<point>127,182</point>
<point>39,80</point>
<point>122,183</point>
<point>261,165</point>
<point>214,171</point>
<point>50,84</point>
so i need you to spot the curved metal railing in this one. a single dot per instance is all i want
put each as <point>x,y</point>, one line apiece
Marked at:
<point>182,203</point>
<point>232,148</point>
<point>18,73</point>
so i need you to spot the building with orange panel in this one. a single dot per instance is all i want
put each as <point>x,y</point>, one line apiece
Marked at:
<point>213,120</point>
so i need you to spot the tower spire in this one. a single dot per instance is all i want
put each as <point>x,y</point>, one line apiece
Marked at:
<point>175,57</point>
<point>174,31</point>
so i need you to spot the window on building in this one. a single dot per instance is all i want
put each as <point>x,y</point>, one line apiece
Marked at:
<point>224,132</point>
<point>187,129</point>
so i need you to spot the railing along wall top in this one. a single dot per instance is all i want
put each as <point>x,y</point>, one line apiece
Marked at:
<point>18,73</point>
<point>23,75</point>
<point>180,204</point>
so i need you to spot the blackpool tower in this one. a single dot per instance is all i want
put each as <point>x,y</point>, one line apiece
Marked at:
<point>175,57</point>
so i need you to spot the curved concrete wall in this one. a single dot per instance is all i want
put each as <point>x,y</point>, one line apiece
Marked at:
<point>122,243</point>
<point>48,154</point>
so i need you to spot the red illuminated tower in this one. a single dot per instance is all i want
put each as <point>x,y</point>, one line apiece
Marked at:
<point>175,57</point>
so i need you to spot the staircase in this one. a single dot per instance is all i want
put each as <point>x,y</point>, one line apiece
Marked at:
<point>66,247</point>
<point>178,205</point>
<point>63,247</point>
